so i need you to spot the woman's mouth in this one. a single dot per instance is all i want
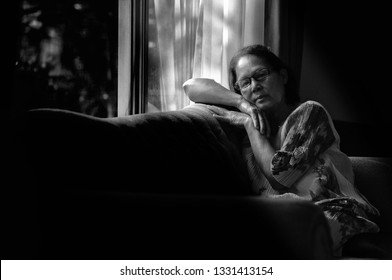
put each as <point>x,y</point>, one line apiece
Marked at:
<point>261,97</point>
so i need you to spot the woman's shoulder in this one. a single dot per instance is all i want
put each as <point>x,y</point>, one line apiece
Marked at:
<point>308,112</point>
<point>309,105</point>
<point>307,120</point>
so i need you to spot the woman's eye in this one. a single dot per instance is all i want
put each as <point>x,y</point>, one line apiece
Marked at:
<point>245,83</point>
<point>260,76</point>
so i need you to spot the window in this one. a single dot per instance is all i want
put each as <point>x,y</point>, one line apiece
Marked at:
<point>114,58</point>
<point>184,39</point>
<point>172,29</point>
<point>67,56</point>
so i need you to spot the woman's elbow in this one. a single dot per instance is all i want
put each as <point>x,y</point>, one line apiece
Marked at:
<point>188,85</point>
<point>278,184</point>
<point>190,89</point>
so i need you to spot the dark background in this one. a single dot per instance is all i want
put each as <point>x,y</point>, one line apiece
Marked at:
<point>64,56</point>
<point>346,59</point>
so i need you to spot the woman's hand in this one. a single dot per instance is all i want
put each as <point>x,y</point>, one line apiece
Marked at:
<point>238,119</point>
<point>258,117</point>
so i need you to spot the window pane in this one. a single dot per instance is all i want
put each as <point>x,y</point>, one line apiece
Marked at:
<point>154,96</point>
<point>67,56</point>
<point>172,26</point>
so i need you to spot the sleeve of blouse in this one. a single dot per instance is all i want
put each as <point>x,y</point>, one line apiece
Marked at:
<point>308,133</point>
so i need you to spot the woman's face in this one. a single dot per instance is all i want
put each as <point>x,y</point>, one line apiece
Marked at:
<point>265,91</point>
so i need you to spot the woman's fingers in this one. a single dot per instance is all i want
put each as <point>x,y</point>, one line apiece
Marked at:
<point>254,114</point>
<point>261,121</point>
<point>216,110</point>
<point>248,108</point>
<point>221,119</point>
<point>232,117</point>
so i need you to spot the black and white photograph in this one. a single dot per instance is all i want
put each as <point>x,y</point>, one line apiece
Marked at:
<point>197,130</point>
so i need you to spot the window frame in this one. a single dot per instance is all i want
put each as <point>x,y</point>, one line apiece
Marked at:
<point>132,57</point>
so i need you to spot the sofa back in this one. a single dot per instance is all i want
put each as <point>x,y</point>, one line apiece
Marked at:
<point>183,151</point>
<point>363,140</point>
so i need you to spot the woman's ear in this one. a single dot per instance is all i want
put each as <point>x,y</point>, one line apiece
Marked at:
<point>284,74</point>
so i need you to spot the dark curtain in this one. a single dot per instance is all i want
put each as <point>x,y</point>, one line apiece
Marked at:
<point>284,29</point>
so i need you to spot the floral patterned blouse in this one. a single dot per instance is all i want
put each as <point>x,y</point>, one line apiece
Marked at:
<point>311,166</point>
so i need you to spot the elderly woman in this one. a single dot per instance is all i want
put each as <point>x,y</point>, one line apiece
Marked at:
<point>292,149</point>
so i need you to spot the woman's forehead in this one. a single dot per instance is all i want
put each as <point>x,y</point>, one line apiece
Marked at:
<point>248,64</point>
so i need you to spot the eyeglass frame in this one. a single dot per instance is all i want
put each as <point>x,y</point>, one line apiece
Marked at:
<point>237,87</point>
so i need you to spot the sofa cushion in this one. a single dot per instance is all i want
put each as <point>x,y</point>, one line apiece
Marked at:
<point>126,225</point>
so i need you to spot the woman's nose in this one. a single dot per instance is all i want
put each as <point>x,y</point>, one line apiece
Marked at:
<point>255,84</point>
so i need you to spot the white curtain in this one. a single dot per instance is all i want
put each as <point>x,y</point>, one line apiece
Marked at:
<point>224,27</point>
<point>176,22</point>
<point>197,38</point>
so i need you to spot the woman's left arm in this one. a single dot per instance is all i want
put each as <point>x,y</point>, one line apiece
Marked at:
<point>307,133</point>
<point>263,152</point>
<point>261,146</point>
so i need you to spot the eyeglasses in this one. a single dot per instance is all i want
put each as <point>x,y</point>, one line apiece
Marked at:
<point>260,75</point>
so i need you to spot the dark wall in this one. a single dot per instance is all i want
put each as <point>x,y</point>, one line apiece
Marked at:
<point>346,59</point>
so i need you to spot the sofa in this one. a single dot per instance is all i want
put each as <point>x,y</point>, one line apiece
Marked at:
<point>165,185</point>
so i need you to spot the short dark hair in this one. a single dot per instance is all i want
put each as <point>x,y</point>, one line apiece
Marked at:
<point>273,61</point>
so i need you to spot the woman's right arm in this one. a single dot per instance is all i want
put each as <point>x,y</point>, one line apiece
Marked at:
<point>204,90</point>
<point>208,91</point>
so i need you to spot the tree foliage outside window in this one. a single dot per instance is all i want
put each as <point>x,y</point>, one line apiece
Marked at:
<point>67,56</point>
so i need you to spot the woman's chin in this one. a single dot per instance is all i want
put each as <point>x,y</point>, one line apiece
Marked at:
<point>263,104</point>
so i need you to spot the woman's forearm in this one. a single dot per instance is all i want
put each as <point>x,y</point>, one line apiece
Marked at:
<point>208,91</point>
<point>263,153</point>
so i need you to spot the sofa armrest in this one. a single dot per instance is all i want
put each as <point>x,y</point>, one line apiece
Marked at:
<point>373,177</point>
